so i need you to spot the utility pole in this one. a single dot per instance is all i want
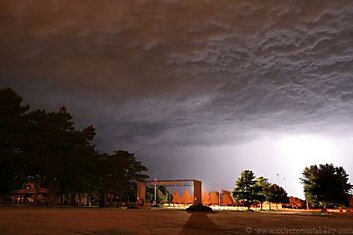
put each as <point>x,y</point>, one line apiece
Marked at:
<point>219,196</point>
<point>170,187</point>
<point>155,191</point>
<point>219,192</point>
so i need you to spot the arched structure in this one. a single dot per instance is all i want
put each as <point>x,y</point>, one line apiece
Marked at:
<point>141,188</point>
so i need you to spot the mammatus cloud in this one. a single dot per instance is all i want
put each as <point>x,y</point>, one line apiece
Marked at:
<point>183,74</point>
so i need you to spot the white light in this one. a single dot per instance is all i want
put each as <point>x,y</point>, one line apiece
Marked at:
<point>295,152</point>
<point>307,148</point>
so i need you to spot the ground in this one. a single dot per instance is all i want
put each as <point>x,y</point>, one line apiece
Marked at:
<point>163,221</point>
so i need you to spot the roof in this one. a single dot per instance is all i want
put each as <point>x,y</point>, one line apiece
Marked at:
<point>30,191</point>
<point>182,182</point>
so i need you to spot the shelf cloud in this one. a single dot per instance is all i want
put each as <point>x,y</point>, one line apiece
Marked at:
<point>172,78</point>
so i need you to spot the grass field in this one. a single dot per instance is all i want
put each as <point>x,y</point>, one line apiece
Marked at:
<point>164,221</point>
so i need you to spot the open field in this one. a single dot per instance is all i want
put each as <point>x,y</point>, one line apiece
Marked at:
<point>163,221</point>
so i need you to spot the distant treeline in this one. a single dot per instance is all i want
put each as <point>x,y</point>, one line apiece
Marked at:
<point>325,186</point>
<point>45,150</point>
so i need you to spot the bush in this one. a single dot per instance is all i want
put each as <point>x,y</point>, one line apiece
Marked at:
<point>199,208</point>
<point>133,206</point>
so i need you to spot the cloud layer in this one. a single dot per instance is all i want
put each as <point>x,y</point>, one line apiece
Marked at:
<point>160,75</point>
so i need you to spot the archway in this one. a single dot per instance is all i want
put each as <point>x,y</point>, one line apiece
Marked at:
<point>141,188</point>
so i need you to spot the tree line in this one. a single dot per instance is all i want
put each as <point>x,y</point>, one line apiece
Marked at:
<point>325,186</point>
<point>249,190</point>
<point>223,198</point>
<point>46,148</point>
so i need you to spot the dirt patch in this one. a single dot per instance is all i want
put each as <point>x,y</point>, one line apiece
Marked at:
<point>95,221</point>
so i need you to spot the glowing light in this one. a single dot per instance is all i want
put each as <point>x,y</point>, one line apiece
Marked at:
<point>306,147</point>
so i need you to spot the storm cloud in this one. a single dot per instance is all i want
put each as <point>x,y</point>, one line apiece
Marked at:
<point>187,81</point>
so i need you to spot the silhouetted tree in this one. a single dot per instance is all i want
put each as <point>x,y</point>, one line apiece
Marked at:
<point>277,195</point>
<point>245,188</point>
<point>78,175</point>
<point>45,148</point>
<point>326,185</point>
<point>118,174</point>
<point>57,155</point>
<point>12,137</point>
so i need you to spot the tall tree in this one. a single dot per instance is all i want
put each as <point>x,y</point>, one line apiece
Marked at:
<point>55,154</point>
<point>46,149</point>
<point>117,175</point>
<point>277,195</point>
<point>326,185</point>
<point>263,190</point>
<point>78,175</point>
<point>245,189</point>
<point>12,134</point>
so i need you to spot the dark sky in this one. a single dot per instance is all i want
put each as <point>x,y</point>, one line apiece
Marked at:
<point>208,87</point>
